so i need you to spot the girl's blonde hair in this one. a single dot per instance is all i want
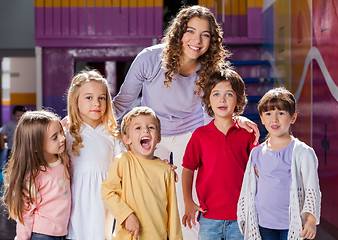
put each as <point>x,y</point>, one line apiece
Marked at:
<point>137,111</point>
<point>75,121</point>
<point>27,160</point>
<point>278,98</point>
<point>172,54</point>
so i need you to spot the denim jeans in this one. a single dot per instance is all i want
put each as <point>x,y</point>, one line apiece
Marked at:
<point>212,229</point>
<point>273,234</point>
<point>39,236</point>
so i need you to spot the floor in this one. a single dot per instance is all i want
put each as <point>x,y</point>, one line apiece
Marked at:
<point>7,227</point>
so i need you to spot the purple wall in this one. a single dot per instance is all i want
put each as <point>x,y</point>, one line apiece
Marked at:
<point>58,69</point>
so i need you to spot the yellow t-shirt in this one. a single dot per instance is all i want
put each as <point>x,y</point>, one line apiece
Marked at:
<point>147,189</point>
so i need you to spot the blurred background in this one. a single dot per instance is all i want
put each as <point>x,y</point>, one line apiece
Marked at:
<point>274,42</point>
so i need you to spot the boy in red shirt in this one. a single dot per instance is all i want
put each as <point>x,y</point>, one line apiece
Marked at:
<point>219,151</point>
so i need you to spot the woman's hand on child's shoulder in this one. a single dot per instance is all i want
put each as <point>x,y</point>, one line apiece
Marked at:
<point>189,217</point>
<point>132,225</point>
<point>173,167</point>
<point>248,125</point>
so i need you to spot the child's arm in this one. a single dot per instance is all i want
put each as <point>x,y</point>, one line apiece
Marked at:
<point>309,227</point>
<point>111,191</point>
<point>132,225</point>
<point>174,223</point>
<point>24,230</point>
<point>190,207</point>
<point>310,183</point>
<point>312,194</point>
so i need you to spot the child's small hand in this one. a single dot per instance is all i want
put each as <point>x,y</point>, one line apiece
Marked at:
<point>248,125</point>
<point>65,122</point>
<point>132,225</point>
<point>309,228</point>
<point>190,214</point>
<point>173,167</point>
<point>25,199</point>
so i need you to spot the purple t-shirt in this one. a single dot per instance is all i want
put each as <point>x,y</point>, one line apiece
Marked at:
<point>273,185</point>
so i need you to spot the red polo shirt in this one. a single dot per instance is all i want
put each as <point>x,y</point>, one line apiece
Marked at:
<point>221,160</point>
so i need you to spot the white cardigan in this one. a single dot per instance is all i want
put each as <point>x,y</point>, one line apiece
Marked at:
<point>305,195</point>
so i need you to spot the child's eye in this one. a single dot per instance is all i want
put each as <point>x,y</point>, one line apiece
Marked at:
<point>151,127</point>
<point>215,94</point>
<point>229,95</point>
<point>267,114</point>
<point>206,35</point>
<point>137,128</point>
<point>102,98</point>
<point>89,97</point>
<point>189,31</point>
<point>281,113</point>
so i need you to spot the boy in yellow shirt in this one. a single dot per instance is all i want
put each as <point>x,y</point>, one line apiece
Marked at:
<point>140,188</point>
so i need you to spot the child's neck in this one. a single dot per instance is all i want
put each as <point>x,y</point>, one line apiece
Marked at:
<point>223,124</point>
<point>277,143</point>
<point>93,124</point>
<point>51,158</point>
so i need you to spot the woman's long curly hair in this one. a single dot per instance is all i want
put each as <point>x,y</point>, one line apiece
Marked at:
<point>212,59</point>
<point>75,121</point>
<point>27,161</point>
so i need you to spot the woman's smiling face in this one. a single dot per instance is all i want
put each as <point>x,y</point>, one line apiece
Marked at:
<point>196,39</point>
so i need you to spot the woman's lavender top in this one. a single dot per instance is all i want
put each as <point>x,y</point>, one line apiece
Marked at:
<point>178,108</point>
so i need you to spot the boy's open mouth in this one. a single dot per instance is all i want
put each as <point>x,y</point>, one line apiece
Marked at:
<point>145,142</point>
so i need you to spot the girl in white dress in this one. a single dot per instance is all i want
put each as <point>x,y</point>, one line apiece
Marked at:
<point>92,144</point>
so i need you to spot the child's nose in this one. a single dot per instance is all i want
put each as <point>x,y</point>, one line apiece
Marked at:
<point>97,102</point>
<point>275,118</point>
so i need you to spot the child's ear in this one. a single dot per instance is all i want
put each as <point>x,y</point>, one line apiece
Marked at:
<point>159,139</point>
<point>294,118</point>
<point>126,140</point>
<point>262,119</point>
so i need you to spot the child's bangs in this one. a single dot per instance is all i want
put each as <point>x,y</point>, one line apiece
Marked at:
<point>275,103</point>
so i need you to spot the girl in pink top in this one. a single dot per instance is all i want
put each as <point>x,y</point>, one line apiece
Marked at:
<point>37,178</point>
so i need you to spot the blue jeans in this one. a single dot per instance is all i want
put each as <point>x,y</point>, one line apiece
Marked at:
<point>212,229</point>
<point>273,234</point>
<point>39,236</point>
